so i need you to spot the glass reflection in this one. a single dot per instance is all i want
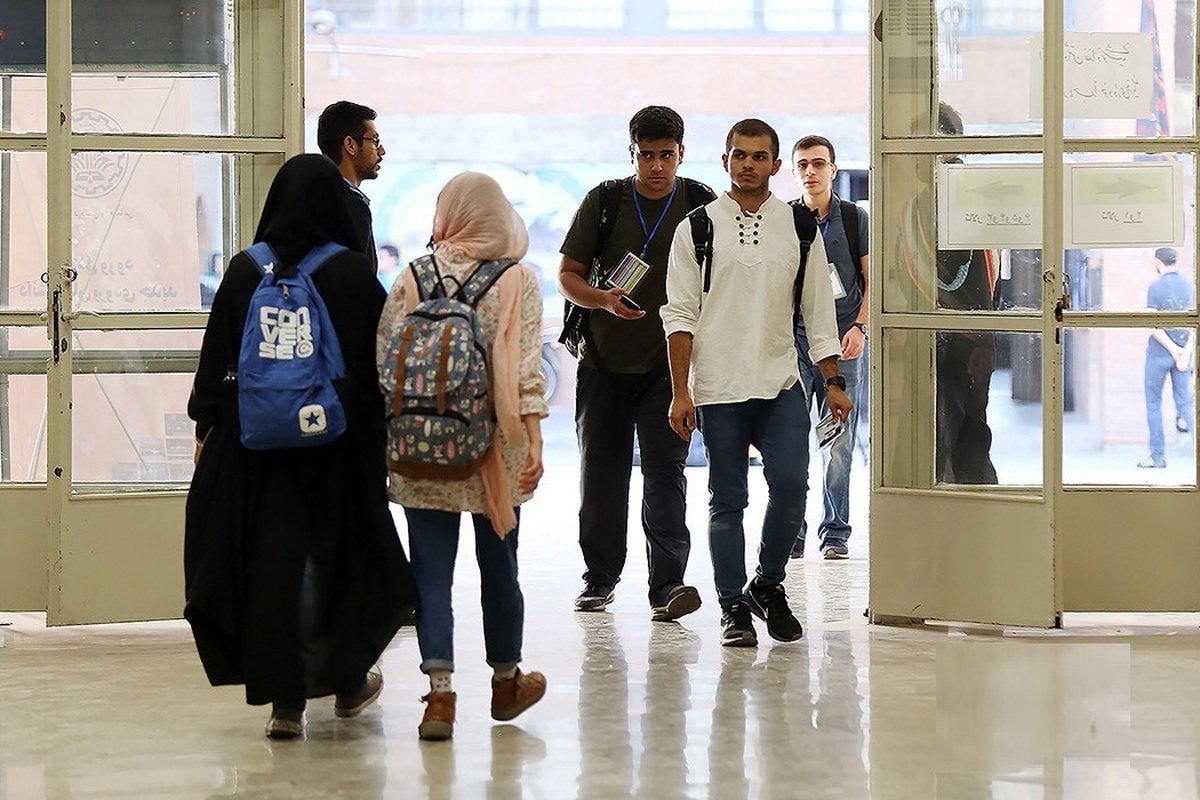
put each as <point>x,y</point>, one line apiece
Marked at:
<point>605,752</point>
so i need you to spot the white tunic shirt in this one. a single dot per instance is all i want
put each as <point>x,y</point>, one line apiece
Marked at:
<point>744,344</point>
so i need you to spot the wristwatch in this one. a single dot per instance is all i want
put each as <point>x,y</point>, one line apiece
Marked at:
<point>862,326</point>
<point>836,380</point>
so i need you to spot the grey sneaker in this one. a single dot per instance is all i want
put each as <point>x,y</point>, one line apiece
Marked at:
<point>285,723</point>
<point>594,597</point>
<point>835,550</point>
<point>737,629</point>
<point>681,601</point>
<point>770,604</point>
<point>351,705</point>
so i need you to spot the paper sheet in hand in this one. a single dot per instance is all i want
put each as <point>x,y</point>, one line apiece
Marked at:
<point>827,430</point>
<point>628,273</point>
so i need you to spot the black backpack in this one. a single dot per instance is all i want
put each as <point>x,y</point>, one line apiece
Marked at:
<point>576,331</point>
<point>806,232</point>
<point>850,224</point>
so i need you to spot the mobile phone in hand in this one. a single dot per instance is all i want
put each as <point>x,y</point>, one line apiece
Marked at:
<point>628,302</point>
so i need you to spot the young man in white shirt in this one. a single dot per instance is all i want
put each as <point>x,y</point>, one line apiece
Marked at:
<point>734,371</point>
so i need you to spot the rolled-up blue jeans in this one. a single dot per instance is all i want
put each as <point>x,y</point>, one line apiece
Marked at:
<point>838,457</point>
<point>779,429</point>
<point>433,548</point>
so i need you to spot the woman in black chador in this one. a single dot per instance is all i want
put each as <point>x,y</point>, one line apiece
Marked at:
<point>296,579</point>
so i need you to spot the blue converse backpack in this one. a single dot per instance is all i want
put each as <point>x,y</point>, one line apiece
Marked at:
<point>436,379</point>
<point>289,358</point>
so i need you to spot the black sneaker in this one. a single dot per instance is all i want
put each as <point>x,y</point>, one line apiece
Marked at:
<point>769,603</point>
<point>681,600</point>
<point>737,629</point>
<point>594,597</point>
<point>797,549</point>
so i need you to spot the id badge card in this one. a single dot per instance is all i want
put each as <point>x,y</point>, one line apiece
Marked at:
<point>828,429</point>
<point>835,281</point>
<point>628,273</point>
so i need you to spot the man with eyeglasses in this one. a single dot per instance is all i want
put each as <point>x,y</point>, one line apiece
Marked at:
<point>843,229</point>
<point>623,228</point>
<point>346,134</point>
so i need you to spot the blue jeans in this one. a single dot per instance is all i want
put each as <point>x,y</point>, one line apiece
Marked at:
<point>1159,365</point>
<point>779,429</point>
<point>839,456</point>
<point>433,547</point>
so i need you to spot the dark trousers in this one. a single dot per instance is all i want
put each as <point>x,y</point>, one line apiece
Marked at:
<point>609,409</point>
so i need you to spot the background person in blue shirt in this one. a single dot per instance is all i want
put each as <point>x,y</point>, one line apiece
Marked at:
<point>1168,352</point>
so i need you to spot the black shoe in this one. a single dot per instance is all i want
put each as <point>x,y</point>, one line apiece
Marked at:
<point>594,597</point>
<point>1181,424</point>
<point>797,549</point>
<point>737,629</point>
<point>770,604</point>
<point>682,600</point>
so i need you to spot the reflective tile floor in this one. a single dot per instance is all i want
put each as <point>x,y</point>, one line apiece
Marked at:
<point>1106,709</point>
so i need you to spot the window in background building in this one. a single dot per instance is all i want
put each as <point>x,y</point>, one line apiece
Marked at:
<point>603,15</point>
<point>724,15</point>
<point>816,16</point>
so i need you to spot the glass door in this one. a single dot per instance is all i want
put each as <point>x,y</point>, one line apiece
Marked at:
<point>1037,316</point>
<point>154,164</point>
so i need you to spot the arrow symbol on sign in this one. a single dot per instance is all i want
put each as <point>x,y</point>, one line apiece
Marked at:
<point>1123,189</point>
<point>997,190</point>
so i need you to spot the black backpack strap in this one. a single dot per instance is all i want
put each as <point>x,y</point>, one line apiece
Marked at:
<point>850,224</point>
<point>702,240</point>
<point>482,279</point>
<point>806,232</point>
<point>428,278</point>
<point>698,194</point>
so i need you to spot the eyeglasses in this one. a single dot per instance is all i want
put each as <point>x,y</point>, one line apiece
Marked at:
<point>375,140</point>
<point>817,164</point>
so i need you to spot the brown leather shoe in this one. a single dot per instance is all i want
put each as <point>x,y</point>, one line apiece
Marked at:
<point>438,722</point>
<point>511,697</point>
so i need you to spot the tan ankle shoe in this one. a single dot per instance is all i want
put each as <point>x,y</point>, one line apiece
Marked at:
<point>438,722</point>
<point>512,696</point>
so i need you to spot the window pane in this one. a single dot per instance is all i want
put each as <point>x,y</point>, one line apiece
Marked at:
<point>1129,410</point>
<point>148,229</point>
<point>22,424</point>
<point>496,15</point>
<point>166,70</point>
<point>1136,78</point>
<point>977,420</point>
<point>574,14</point>
<point>22,230</point>
<point>788,15</point>
<point>26,96</point>
<point>131,428</point>
<point>710,14</point>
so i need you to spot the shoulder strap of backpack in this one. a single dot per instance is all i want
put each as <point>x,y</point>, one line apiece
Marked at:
<point>260,254</point>
<point>484,278</point>
<point>850,223</point>
<point>427,277</point>
<point>702,240</point>
<point>610,204</point>
<point>318,257</point>
<point>806,232</point>
<point>698,194</point>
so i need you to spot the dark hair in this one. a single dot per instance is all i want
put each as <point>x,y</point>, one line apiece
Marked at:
<point>949,120</point>
<point>753,127</point>
<point>656,122</point>
<point>1166,255</point>
<point>814,141</point>
<point>339,120</point>
<point>390,249</point>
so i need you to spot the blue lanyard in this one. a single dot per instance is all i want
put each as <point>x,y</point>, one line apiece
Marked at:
<point>638,205</point>
<point>825,229</point>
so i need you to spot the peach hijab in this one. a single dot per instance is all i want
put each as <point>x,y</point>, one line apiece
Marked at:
<point>475,219</point>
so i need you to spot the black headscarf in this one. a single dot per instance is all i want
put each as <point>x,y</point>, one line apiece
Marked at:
<point>306,207</point>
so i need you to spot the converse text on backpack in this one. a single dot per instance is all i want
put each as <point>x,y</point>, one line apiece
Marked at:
<point>290,358</point>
